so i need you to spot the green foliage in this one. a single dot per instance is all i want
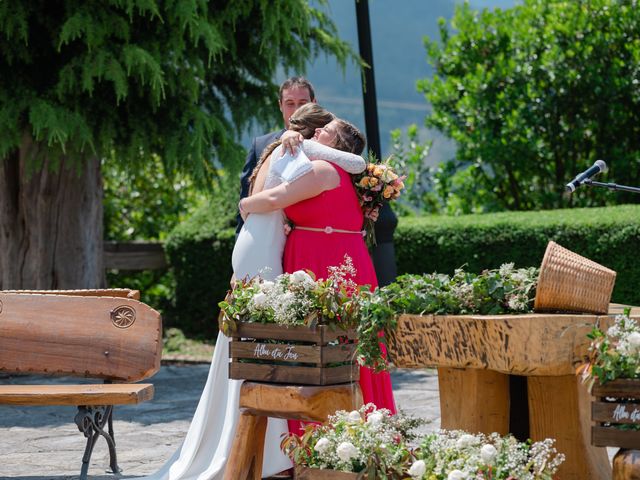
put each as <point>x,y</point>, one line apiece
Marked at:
<point>199,253</point>
<point>533,95</point>
<point>150,78</point>
<point>607,235</point>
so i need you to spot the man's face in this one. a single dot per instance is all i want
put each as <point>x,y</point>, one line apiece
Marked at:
<point>292,99</point>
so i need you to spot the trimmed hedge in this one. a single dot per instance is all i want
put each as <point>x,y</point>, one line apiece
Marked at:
<point>608,235</point>
<point>199,251</point>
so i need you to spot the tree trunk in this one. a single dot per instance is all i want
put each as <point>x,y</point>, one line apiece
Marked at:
<point>50,222</point>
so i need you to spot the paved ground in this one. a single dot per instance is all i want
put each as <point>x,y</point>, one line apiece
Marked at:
<point>40,443</point>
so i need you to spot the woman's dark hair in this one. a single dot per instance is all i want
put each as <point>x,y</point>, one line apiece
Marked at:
<point>348,138</point>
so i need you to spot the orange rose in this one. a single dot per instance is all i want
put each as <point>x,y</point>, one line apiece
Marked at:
<point>388,191</point>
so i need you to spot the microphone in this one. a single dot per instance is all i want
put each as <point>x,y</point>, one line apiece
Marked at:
<point>592,171</point>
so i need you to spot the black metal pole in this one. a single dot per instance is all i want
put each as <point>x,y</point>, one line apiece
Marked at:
<point>383,253</point>
<point>369,81</point>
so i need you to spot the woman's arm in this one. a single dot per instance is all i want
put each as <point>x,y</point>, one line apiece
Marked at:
<point>320,178</point>
<point>349,162</point>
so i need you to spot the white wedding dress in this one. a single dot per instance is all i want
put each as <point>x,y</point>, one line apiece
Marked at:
<point>258,250</point>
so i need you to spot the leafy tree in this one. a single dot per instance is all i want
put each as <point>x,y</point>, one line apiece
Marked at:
<point>83,81</point>
<point>534,95</point>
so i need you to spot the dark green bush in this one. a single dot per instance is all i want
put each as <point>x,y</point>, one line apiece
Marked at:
<point>609,236</point>
<point>199,251</point>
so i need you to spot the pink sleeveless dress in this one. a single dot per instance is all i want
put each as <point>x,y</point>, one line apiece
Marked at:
<point>317,251</point>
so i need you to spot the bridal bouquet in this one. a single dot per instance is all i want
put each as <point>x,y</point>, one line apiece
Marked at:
<point>378,184</point>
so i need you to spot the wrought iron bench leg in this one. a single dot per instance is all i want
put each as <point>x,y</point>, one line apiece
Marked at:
<point>91,421</point>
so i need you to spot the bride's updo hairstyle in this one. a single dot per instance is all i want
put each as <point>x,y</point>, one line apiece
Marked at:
<point>304,120</point>
<point>348,137</point>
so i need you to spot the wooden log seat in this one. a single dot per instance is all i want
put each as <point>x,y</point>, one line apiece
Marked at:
<point>261,400</point>
<point>101,334</point>
<point>476,354</point>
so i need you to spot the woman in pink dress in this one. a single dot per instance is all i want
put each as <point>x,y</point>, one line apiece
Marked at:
<point>328,219</point>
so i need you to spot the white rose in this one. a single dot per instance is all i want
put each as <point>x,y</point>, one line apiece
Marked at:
<point>300,277</point>
<point>488,453</point>
<point>375,418</point>
<point>456,475</point>
<point>417,469</point>
<point>634,342</point>
<point>346,451</point>
<point>259,300</point>
<point>322,445</point>
<point>466,440</point>
<point>354,416</point>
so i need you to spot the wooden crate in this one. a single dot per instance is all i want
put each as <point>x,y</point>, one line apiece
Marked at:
<point>305,473</point>
<point>295,355</point>
<point>616,403</point>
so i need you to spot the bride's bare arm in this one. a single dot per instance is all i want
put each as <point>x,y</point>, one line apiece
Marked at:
<point>321,177</point>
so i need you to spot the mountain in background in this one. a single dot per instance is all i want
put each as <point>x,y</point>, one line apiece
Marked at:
<point>398,28</point>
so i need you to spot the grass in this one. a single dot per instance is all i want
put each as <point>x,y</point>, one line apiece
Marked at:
<point>178,348</point>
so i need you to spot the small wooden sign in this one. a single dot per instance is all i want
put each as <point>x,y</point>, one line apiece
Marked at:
<point>297,355</point>
<point>614,410</point>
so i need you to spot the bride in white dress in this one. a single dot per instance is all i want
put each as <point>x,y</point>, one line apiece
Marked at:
<point>258,250</point>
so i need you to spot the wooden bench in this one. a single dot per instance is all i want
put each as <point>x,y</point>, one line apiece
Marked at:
<point>101,334</point>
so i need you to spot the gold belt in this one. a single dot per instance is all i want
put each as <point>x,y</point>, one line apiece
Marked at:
<point>329,230</point>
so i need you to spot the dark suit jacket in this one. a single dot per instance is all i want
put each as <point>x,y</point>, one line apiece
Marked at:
<point>257,147</point>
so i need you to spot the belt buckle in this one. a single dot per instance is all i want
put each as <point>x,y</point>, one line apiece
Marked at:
<point>328,230</point>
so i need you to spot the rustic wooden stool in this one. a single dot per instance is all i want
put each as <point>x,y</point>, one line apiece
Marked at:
<point>475,354</point>
<point>261,400</point>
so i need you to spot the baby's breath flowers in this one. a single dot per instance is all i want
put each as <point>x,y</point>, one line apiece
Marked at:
<point>458,455</point>
<point>383,446</point>
<point>368,439</point>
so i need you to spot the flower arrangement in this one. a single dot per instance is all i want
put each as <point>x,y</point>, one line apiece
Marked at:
<point>295,299</point>
<point>615,353</point>
<point>369,439</point>
<point>379,444</point>
<point>376,185</point>
<point>458,455</point>
<point>503,290</point>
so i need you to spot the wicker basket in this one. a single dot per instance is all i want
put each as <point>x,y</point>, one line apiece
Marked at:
<point>570,282</point>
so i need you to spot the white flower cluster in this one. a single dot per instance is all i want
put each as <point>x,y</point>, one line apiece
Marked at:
<point>353,438</point>
<point>286,300</point>
<point>458,455</point>
<point>625,334</point>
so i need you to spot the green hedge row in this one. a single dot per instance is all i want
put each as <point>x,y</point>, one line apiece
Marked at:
<point>609,236</point>
<point>199,251</point>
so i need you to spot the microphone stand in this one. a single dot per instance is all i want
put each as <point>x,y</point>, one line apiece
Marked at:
<point>611,186</point>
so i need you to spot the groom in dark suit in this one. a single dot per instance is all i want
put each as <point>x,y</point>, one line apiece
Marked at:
<point>294,92</point>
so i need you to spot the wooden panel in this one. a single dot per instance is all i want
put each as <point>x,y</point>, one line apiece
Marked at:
<point>474,400</point>
<point>298,374</point>
<point>304,473</point>
<point>618,309</point>
<point>536,344</point>
<point>339,353</point>
<point>321,334</point>
<point>104,292</point>
<point>622,387</point>
<point>627,413</point>
<point>276,352</point>
<point>612,437</point>
<point>102,394</point>
<point>134,256</point>
<point>76,335</point>
<point>559,408</point>
<point>312,404</point>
